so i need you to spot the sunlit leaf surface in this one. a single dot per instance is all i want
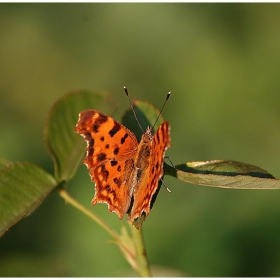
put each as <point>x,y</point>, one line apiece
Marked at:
<point>224,174</point>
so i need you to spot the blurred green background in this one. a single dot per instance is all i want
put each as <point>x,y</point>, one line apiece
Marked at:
<point>222,64</point>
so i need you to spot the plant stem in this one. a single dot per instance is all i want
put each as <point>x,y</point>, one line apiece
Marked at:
<point>141,257</point>
<point>64,194</point>
<point>141,263</point>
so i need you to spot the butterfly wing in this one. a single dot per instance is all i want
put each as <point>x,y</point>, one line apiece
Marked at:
<point>111,148</point>
<point>146,193</point>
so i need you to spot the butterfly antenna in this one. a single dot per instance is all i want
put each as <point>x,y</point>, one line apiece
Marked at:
<point>167,97</point>
<point>126,92</point>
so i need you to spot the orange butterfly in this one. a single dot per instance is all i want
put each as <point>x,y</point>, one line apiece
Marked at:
<point>126,173</point>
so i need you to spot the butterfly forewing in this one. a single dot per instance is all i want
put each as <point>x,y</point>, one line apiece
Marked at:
<point>111,148</point>
<point>146,192</point>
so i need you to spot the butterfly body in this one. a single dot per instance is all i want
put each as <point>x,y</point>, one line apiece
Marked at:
<point>126,172</point>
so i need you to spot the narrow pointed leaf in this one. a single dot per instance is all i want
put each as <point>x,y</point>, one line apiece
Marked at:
<point>224,174</point>
<point>23,186</point>
<point>65,146</point>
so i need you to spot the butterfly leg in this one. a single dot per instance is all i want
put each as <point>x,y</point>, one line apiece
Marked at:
<point>162,177</point>
<point>165,185</point>
<point>170,161</point>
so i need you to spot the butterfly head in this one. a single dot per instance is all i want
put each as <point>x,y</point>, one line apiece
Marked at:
<point>147,137</point>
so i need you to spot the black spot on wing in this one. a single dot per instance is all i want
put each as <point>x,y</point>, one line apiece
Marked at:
<point>101,157</point>
<point>157,165</point>
<point>98,121</point>
<point>116,151</point>
<point>101,119</point>
<point>95,128</point>
<point>117,181</point>
<point>113,162</point>
<point>115,129</point>
<point>124,138</point>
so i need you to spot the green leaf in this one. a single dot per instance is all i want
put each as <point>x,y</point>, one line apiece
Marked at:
<point>23,186</point>
<point>146,114</point>
<point>224,174</point>
<point>224,167</point>
<point>65,146</point>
